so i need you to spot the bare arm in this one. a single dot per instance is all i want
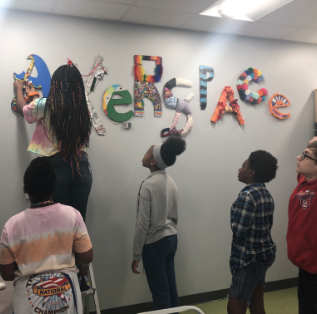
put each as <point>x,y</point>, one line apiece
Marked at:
<point>83,258</point>
<point>7,271</point>
<point>20,97</point>
<point>29,89</point>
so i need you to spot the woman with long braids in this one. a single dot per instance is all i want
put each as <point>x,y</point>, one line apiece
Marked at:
<point>62,132</point>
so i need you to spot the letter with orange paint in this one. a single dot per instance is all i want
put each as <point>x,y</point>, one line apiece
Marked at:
<point>276,101</point>
<point>227,95</point>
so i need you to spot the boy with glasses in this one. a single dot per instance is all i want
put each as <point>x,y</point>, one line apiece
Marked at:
<point>252,250</point>
<point>302,233</point>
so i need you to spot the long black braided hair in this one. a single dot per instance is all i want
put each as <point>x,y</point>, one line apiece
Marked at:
<point>67,111</point>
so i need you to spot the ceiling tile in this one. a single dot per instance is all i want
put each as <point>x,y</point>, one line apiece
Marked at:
<point>263,30</point>
<point>120,1</point>
<point>29,5</point>
<point>91,9</point>
<point>214,24</point>
<point>159,17</point>
<point>299,13</point>
<point>312,26</point>
<point>307,35</point>
<point>190,6</point>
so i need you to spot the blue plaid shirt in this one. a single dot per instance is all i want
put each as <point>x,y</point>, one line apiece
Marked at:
<point>251,224</point>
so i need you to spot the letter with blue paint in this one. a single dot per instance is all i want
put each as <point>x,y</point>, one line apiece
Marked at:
<point>204,78</point>
<point>43,79</point>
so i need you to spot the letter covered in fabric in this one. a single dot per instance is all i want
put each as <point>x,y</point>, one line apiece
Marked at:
<point>144,85</point>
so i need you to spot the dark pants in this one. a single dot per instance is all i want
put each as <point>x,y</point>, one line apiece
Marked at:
<point>158,262</point>
<point>72,188</point>
<point>307,292</point>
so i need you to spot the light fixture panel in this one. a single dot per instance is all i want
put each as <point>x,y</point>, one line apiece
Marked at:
<point>247,10</point>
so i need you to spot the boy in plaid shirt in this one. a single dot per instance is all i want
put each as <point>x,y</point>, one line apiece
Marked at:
<point>252,250</point>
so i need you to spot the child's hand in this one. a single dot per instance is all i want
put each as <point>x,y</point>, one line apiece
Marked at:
<point>314,139</point>
<point>18,85</point>
<point>29,88</point>
<point>134,267</point>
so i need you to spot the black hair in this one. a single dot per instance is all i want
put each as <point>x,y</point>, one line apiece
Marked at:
<point>171,148</point>
<point>313,147</point>
<point>67,111</point>
<point>40,179</point>
<point>264,166</point>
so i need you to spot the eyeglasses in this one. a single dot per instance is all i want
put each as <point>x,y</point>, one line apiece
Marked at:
<point>304,155</point>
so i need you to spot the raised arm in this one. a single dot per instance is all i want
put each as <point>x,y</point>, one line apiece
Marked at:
<point>30,92</point>
<point>20,97</point>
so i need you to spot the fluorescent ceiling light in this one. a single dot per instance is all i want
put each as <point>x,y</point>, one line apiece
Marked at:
<point>247,10</point>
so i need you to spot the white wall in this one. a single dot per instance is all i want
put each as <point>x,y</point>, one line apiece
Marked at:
<point>206,174</point>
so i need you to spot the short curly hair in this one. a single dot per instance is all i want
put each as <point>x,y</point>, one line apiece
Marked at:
<point>264,165</point>
<point>40,179</point>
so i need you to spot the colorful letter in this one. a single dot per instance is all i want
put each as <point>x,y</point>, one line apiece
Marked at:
<point>94,77</point>
<point>180,105</point>
<point>43,79</point>
<point>243,86</point>
<point>144,85</point>
<point>279,100</point>
<point>227,94</point>
<point>109,102</point>
<point>203,70</point>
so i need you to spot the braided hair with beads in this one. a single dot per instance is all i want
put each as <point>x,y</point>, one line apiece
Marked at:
<point>67,112</point>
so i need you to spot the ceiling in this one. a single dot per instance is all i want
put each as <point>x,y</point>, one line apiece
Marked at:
<point>296,21</point>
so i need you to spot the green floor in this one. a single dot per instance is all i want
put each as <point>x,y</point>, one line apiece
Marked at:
<point>277,302</point>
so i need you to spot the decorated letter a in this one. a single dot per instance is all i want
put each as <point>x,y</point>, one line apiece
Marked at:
<point>227,95</point>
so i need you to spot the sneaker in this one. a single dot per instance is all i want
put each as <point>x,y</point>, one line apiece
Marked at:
<point>85,287</point>
<point>2,285</point>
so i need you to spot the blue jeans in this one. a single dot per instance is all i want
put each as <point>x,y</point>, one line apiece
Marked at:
<point>158,262</point>
<point>246,279</point>
<point>72,188</point>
